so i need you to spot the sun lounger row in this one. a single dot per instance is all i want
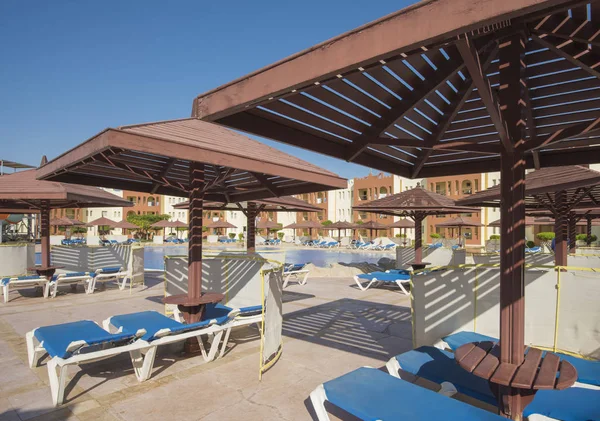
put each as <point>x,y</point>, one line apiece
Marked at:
<point>89,279</point>
<point>138,334</point>
<point>365,392</point>
<point>173,240</point>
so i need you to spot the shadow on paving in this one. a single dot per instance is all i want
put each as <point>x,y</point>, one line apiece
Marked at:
<point>367,328</point>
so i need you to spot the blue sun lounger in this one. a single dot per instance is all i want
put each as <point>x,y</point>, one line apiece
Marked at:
<point>75,343</point>
<point>436,365</point>
<point>162,330</point>
<point>291,269</point>
<point>371,395</point>
<point>399,277</point>
<point>24,282</point>
<point>588,371</point>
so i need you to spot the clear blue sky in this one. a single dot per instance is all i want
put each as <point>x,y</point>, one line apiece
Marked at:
<point>72,68</point>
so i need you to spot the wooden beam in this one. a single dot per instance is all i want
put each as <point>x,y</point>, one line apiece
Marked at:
<point>170,163</point>
<point>578,55</point>
<point>399,32</point>
<point>471,58</point>
<point>442,74</point>
<point>570,29</point>
<point>262,179</point>
<point>577,129</point>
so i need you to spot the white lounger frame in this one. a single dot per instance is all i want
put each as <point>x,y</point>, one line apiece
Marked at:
<point>122,276</point>
<point>239,320</point>
<point>63,279</point>
<point>399,282</point>
<point>57,367</point>
<point>318,398</point>
<point>142,353</point>
<point>296,274</point>
<point>143,358</point>
<point>26,283</point>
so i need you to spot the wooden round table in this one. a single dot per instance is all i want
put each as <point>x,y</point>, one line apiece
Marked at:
<point>418,265</point>
<point>536,372</point>
<point>192,310</point>
<point>47,271</point>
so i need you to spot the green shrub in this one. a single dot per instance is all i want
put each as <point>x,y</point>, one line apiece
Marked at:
<point>280,235</point>
<point>494,237</point>
<point>400,235</point>
<point>232,235</point>
<point>584,237</point>
<point>530,244</point>
<point>435,235</point>
<point>545,236</point>
<point>241,236</point>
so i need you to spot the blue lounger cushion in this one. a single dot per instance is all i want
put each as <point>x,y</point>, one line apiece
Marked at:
<point>6,281</point>
<point>385,277</point>
<point>152,322</point>
<point>57,338</point>
<point>219,311</point>
<point>439,366</point>
<point>370,394</point>
<point>588,371</point>
<point>572,404</point>
<point>70,275</point>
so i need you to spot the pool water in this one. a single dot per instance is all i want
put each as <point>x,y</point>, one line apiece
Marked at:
<point>154,256</point>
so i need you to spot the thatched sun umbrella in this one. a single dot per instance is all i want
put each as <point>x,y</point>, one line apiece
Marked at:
<point>220,224</point>
<point>459,222</point>
<point>403,224</point>
<point>340,225</point>
<point>373,225</point>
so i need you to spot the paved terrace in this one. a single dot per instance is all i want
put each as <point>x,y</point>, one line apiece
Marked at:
<point>330,328</point>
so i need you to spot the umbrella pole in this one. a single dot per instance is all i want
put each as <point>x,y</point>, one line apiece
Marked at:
<point>251,227</point>
<point>572,232</point>
<point>560,229</point>
<point>460,236</point>
<point>419,237</point>
<point>589,226</point>
<point>195,243</point>
<point>512,276</point>
<point>45,233</point>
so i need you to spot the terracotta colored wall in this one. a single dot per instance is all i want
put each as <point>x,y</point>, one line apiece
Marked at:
<point>456,190</point>
<point>371,187</point>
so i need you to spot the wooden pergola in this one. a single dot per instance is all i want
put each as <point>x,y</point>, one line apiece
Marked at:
<point>443,87</point>
<point>251,209</point>
<point>560,191</point>
<point>191,158</point>
<point>21,191</point>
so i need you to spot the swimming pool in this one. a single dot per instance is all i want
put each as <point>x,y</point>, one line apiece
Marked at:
<point>154,256</point>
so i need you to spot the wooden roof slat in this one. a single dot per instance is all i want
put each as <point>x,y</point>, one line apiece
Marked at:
<point>340,103</point>
<point>357,96</point>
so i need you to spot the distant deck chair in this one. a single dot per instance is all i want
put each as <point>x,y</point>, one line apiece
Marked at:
<point>24,282</point>
<point>72,278</point>
<point>106,274</point>
<point>399,277</point>
<point>295,270</point>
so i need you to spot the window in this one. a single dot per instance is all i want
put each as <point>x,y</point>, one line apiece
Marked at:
<point>104,213</point>
<point>476,185</point>
<point>363,194</point>
<point>440,188</point>
<point>467,187</point>
<point>383,192</point>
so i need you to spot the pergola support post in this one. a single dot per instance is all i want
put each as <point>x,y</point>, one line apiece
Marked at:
<point>588,230</point>
<point>195,228</point>
<point>572,232</point>
<point>45,233</point>
<point>252,211</point>
<point>512,401</point>
<point>560,229</point>
<point>419,217</point>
